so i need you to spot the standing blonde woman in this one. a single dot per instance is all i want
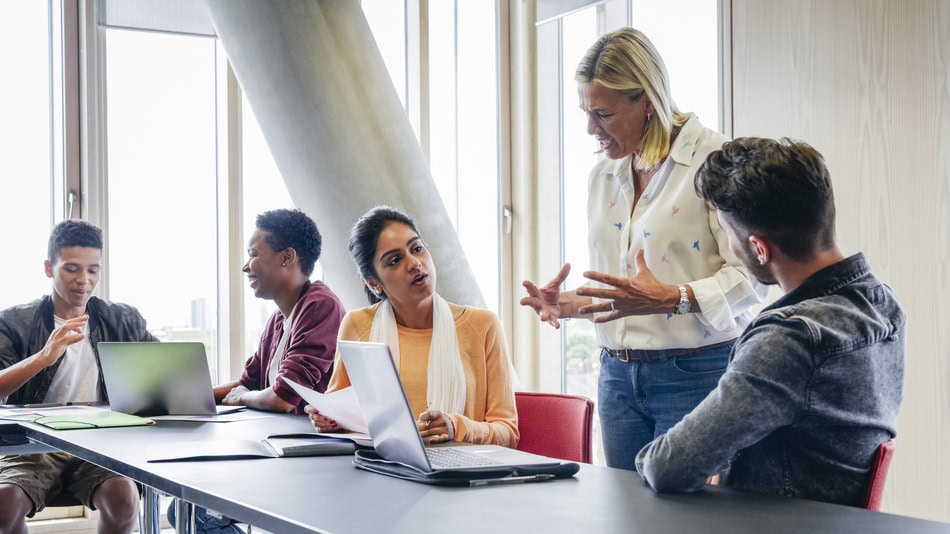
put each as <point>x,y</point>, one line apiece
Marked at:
<point>452,360</point>
<point>667,296</point>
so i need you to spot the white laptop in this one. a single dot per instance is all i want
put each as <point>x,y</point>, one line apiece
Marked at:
<point>392,426</point>
<point>160,378</point>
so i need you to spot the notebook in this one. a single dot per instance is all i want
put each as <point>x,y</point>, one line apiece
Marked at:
<point>232,449</point>
<point>392,426</point>
<point>152,379</point>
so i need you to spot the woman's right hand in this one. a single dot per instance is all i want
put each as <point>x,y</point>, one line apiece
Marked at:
<point>321,423</point>
<point>545,301</point>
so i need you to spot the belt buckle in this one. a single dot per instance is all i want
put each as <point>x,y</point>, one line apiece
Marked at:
<point>622,356</point>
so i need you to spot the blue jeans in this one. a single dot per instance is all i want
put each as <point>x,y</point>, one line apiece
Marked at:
<point>206,522</point>
<point>638,401</point>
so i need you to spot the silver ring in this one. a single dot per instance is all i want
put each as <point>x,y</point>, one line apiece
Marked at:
<point>612,306</point>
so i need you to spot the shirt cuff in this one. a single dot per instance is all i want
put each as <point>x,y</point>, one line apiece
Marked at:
<point>459,427</point>
<point>714,309</point>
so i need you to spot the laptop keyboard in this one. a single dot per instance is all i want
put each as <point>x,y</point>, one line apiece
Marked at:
<point>453,457</point>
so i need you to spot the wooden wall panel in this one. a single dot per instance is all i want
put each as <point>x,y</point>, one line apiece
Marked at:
<point>867,83</point>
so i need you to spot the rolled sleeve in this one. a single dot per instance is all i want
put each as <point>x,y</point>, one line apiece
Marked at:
<point>730,291</point>
<point>726,295</point>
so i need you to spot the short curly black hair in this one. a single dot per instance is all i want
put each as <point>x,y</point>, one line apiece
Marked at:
<point>73,233</point>
<point>292,229</point>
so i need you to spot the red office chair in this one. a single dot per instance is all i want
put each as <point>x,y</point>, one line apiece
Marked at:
<point>878,475</point>
<point>555,425</point>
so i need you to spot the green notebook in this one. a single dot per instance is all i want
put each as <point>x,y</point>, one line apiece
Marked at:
<point>102,419</point>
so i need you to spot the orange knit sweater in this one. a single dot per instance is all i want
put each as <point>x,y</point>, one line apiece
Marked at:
<point>490,415</point>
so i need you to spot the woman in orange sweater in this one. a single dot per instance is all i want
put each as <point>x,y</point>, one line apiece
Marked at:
<point>452,360</point>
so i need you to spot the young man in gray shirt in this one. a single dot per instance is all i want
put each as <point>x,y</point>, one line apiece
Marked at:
<point>815,382</point>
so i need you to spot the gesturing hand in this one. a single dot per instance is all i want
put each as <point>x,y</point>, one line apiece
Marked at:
<point>641,295</point>
<point>62,337</point>
<point>545,300</point>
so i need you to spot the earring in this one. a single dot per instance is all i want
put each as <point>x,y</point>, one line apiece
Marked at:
<point>761,260</point>
<point>649,116</point>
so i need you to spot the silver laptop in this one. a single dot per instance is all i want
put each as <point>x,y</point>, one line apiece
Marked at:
<point>162,378</point>
<point>392,426</point>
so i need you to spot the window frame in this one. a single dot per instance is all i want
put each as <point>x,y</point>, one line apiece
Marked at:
<point>90,180</point>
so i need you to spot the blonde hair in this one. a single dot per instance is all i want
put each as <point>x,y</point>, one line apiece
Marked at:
<point>626,61</point>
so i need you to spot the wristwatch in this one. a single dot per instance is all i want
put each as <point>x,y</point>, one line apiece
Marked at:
<point>682,307</point>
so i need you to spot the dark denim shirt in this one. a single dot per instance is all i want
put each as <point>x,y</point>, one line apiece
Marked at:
<point>24,330</point>
<point>813,386</point>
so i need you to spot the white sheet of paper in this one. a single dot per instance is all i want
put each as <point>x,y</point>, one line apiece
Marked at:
<point>341,406</point>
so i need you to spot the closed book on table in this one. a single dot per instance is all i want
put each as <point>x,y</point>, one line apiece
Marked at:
<point>232,449</point>
<point>314,446</point>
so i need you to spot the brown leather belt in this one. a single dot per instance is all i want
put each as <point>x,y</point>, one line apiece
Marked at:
<point>638,355</point>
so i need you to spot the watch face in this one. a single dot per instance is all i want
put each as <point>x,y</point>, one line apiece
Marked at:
<point>683,306</point>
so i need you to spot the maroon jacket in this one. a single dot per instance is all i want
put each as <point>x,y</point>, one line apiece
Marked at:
<point>310,349</point>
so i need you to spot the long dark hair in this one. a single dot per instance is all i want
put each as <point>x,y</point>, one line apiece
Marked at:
<point>363,238</point>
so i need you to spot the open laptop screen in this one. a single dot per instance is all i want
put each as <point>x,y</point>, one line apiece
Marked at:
<point>150,379</point>
<point>392,425</point>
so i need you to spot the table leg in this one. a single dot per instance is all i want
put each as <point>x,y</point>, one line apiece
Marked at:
<point>185,516</point>
<point>150,512</point>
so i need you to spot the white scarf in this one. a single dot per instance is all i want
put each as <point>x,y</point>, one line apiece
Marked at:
<point>446,378</point>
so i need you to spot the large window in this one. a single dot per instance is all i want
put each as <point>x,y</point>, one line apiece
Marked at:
<point>27,164</point>
<point>464,124</point>
<point>162,176</point>
<point>165,208</point>
<point>693,62</point>
<point>264,190</point>
<point>460,98</point>
<point>581,362</point>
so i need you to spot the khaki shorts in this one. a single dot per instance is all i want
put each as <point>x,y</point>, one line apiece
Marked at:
<point>44,476</point>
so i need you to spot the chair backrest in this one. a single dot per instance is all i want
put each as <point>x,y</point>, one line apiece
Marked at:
<point>878,475</point>
<point>555,425</point>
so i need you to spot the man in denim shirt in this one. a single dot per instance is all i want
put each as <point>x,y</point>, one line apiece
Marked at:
<point>815,382</point>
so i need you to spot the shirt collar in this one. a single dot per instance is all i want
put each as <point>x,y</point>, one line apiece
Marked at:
<point>827,280</point>
<point>683,148</point>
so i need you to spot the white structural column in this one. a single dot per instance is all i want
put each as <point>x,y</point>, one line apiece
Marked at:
<point>319,89</point>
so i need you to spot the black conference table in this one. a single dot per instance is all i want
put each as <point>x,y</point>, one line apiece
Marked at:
<point>329,495</point>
